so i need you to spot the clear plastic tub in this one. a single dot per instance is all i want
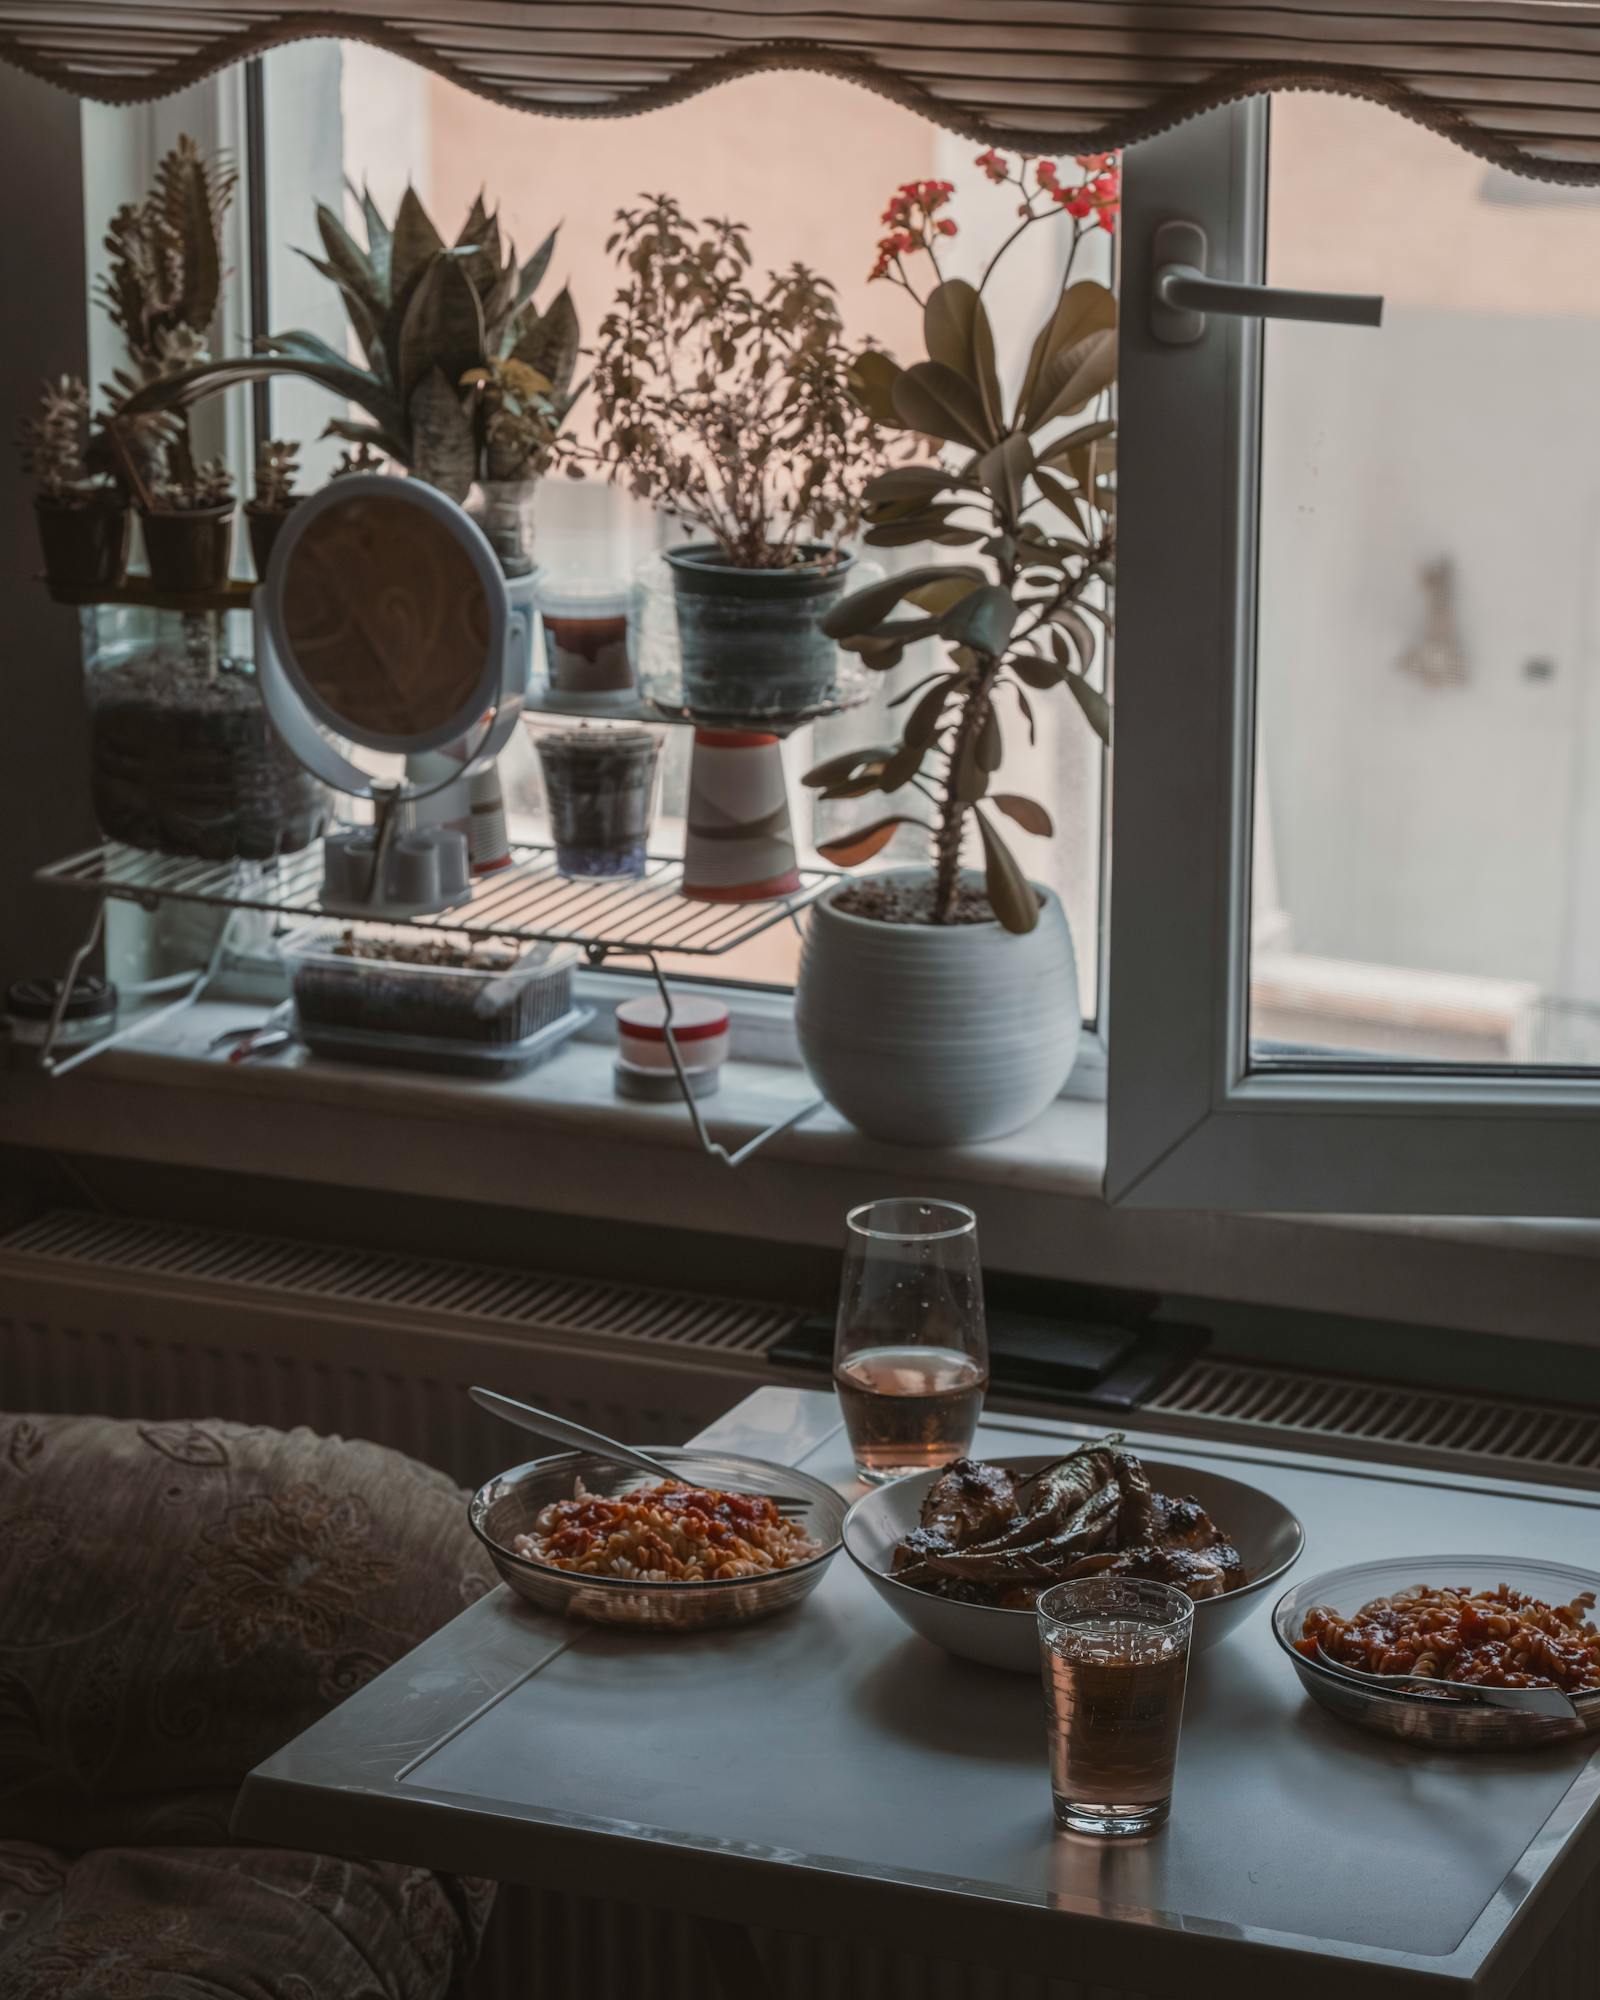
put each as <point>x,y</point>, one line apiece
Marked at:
<point>459,991</point>
<point>490,1062</point>
<point>588,640</point>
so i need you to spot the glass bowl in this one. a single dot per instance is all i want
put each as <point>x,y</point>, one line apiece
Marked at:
<point>508,1505</point>
<point>1436,1721</point>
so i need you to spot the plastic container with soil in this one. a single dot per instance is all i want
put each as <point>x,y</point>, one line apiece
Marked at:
<point>600,788</point>
<point>184,761</point>
<point>457,990</point>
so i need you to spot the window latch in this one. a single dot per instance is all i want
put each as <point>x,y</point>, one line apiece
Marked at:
<point>1183,295</point>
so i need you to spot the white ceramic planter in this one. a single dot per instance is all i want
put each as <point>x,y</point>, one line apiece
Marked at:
<point>937,1035</point>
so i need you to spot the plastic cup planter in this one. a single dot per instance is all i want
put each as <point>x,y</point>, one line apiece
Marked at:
<point>600,788</point>
<point>588,653</point>
<point>84,543</point>
<point>751,640</point>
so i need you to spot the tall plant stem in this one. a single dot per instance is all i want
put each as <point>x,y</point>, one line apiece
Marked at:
<point>953,812</point>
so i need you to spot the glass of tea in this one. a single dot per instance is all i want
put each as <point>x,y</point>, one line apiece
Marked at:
<point>911,1355</point>
<point>1116,1656</point>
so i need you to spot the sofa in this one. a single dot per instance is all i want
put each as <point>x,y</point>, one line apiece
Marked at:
<point>177,1600</point>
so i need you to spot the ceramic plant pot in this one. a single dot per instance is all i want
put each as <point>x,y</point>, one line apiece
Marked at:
<point>751,640</point>
<point>190,549</point>
<point>937,1034</point>
<point>85,547</point>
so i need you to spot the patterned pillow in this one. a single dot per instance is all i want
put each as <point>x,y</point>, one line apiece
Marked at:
<point>180,1599</point>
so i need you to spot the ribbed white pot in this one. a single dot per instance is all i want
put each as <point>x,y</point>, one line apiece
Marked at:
<point>937,1034</point>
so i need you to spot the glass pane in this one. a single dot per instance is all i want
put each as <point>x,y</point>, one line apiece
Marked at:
<point>345,113</point>
<point>1427,811</point>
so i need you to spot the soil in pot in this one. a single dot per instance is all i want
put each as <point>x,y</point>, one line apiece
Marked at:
<point>895,899</point>
<point>85,547</point>
<point>189,551</point>
<point>600,789</point>
<point>188,764</point>
<point>751,640</point>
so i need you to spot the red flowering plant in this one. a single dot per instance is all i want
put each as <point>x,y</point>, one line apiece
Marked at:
<point>1015,481</point>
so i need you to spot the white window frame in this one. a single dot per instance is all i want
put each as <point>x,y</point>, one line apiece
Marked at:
<point>1190,1124</point>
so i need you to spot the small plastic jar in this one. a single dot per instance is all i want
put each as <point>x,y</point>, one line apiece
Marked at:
<point>90,1012</point>
<point>644,1062</point>
<point>588,641</point>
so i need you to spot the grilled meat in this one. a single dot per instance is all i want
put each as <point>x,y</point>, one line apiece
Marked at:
<point>989,1536</point>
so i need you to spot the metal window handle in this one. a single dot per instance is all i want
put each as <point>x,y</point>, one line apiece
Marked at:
<point>1183,294</point>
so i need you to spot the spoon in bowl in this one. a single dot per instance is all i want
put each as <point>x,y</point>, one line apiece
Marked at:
<point>1550,1701</point>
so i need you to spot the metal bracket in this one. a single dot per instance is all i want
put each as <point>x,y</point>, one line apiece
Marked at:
<point>1182,294</point>
<point>202,979</point>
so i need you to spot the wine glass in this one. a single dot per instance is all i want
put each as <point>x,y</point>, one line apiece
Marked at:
<point>911,1353</point>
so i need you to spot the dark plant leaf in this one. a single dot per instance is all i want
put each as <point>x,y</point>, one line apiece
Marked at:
<point>872,379</point>
<point>380,238</point>
<point>863,609</point>
<point>1027,710</point>
<point>924,525</point>
<point>933,398</point>
<point>937,597</point>
<point>351,263</point>
<point>1081,633</point>
<point>1030,817</point>
<point>415,243</point>
<point>923,720</point>
<point>904,765</point>
<point>990,751</point>
<point>551,343</point>
<point>1010,894</point>
<point>983,620</point>
<point>1096,709</point>
<point>968,779</point>
<point>1075,375</point>
<point>369,434</point>
<point>908,482</point>
<point>1059,495</point>
<point>1003,471</point>
<point>1036,672</point>
<point>850,849</point>
<point>531,276</point>
<point>1060,451</point>
<point>831,769</point>
<point>442,329</point>
<point>1082,309</point>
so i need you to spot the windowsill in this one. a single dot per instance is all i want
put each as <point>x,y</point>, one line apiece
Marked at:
<point>559,1141</point>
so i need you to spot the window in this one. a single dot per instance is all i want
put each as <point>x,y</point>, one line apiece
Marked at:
<point>338,114</point>
<point>1356,847</point>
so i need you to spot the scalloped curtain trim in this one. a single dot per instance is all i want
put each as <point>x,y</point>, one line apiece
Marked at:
<point>1229,84</point>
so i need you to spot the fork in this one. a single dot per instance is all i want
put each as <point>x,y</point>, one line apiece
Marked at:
<point>1550,1701</point>
<point>544,1424</point>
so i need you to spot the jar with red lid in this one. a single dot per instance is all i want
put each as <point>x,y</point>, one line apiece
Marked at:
<point>700,1029</point>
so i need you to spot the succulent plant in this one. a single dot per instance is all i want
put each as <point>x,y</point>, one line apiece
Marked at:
<point>424,313</point>
<point>210,485</point>
<point>1025,616</point>
<point>53,444</point>
<point>277,465</point>
<point>165,258</point>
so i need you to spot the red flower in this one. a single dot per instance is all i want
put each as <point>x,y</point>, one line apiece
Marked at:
<point>1045,173</point>
<point>945,226</point>
<point>994,164</point>
<point>1094,163</point>
<point>1108,217</point>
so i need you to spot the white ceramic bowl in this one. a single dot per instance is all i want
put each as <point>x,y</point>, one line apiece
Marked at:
<point>1268,1537</point>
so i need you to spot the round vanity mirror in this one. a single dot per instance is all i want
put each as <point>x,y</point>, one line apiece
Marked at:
<point>386,617</point>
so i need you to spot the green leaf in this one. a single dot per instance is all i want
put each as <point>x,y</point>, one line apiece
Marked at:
<point>1082,309</point>
<point>443,328</point>
<point>1059,495</point>
<point>936,400</point>
<point>968,779</point>
<point>443,448</point>
<point>983,620</point>
<point>990,750</point>
<point>1074,375</point>
<point>369,434</point>
<point>923,721</point>
<point>1010,894</point>
<point>415,243</point>
<point>907,482</point>
<point>531,276</point>
<point>1096,709</point>
<point>551,344</point>
<point>865,608</point>
<point>904,765</point>
<point>1003,472</point>
<point>872,377</point>
<point>1040,674</point>
<point>1081,634</point>
<point>850,849</point>
<point>1030,817</point>
<point>831,769</point>
<point>938,597</point>
<point>380,237</point>
<point>924,524</point>
<point>351,263</point>
<point>958,334</point>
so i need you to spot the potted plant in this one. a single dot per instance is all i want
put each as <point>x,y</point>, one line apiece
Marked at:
<point>939,1004</point>
<point>726,402</point>
<point>517,414</point>
<point>277,465</point>
<point>82,516</point>
<point>188,530</point>
<point>426,315</point>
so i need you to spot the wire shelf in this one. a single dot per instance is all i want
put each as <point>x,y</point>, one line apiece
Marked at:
<point>529,901</point>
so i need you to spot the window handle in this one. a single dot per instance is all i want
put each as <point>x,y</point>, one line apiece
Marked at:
<point>1182,294</point>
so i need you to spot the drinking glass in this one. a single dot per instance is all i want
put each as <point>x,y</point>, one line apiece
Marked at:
<point>911,1354</point>
<point>1116,1656</point>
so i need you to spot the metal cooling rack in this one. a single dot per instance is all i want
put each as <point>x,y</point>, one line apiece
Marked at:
<point>529,901</point>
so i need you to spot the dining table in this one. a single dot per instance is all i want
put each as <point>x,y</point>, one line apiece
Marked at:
<point>827,1775</point>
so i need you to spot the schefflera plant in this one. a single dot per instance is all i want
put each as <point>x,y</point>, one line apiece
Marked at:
<point>1027,491</point>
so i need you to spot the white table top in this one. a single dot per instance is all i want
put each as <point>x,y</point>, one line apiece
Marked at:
<point>829,1771</point>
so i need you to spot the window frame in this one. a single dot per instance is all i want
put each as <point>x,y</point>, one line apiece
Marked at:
<point>1190,1123</point>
